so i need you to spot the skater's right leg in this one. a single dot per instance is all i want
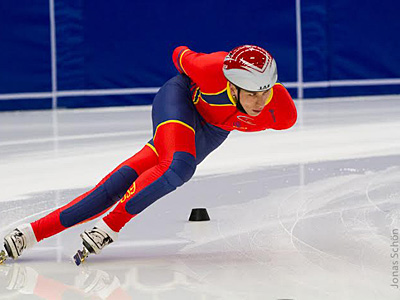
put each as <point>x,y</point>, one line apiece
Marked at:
<point>98,200</point>
<point>19,239</point>
<point>85,207</point>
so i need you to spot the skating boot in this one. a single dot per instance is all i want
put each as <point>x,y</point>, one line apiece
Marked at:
<point>94,241</point>
<point>16,241</point>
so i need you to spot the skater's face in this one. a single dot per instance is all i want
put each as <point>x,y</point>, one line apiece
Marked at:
<point>252,102</point>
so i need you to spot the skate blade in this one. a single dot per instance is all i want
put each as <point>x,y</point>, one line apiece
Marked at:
<point>3,256</point>
<point>80,256</point>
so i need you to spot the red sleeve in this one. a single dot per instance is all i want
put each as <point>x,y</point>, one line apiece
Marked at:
<point>204,69</point>
<point>284,109</point>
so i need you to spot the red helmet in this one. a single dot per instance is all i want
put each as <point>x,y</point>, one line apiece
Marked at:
<point>251,68</point>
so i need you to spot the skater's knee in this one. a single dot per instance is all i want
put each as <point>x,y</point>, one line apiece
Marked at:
<point>119,182</point>
<point>181,169</point>
<point>99,199</point>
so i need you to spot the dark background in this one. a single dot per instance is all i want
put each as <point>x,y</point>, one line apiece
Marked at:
<point>128,44</point>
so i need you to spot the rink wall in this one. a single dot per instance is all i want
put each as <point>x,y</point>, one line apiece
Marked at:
<point>70,53</point>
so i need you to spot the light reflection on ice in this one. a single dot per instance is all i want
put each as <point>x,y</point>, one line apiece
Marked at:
<point>306,213</point>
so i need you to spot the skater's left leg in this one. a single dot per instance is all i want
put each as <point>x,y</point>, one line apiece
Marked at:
<point>175,143</point>
<point>182,139</point>
<point>180,152</point>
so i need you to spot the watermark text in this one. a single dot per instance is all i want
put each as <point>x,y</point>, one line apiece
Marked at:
<point>394,254</point>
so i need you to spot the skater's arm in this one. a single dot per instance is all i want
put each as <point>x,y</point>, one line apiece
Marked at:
<point>200,67</point>
<point>282,108</point>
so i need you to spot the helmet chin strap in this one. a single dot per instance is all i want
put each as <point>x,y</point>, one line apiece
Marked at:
<point>238,104</point>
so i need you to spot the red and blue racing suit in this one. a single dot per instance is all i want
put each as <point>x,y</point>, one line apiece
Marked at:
<point>192,114</point>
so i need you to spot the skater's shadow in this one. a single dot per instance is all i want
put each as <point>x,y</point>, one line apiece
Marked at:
<point>116,280</point>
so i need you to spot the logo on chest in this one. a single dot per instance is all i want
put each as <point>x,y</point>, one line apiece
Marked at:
<point>246,119</point>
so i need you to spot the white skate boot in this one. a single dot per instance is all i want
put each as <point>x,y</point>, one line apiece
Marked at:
<point>95,240</point>
<point>19,239</point>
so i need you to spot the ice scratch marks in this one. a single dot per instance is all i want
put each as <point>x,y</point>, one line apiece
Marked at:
<point>350,210</point>
<point>383,192</point>
<point>297,218</point>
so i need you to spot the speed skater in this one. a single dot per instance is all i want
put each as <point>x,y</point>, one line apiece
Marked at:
<point>193,113</point>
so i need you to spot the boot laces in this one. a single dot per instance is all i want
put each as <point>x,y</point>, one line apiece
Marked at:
<point>100,238</point>
<point>19,240</point>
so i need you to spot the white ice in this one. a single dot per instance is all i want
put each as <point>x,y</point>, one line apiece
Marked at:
<point>307,213</point>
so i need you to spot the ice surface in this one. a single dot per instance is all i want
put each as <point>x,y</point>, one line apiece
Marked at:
<point>307,213</point>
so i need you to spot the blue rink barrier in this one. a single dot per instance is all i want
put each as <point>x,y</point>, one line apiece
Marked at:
<point>51,48</point>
